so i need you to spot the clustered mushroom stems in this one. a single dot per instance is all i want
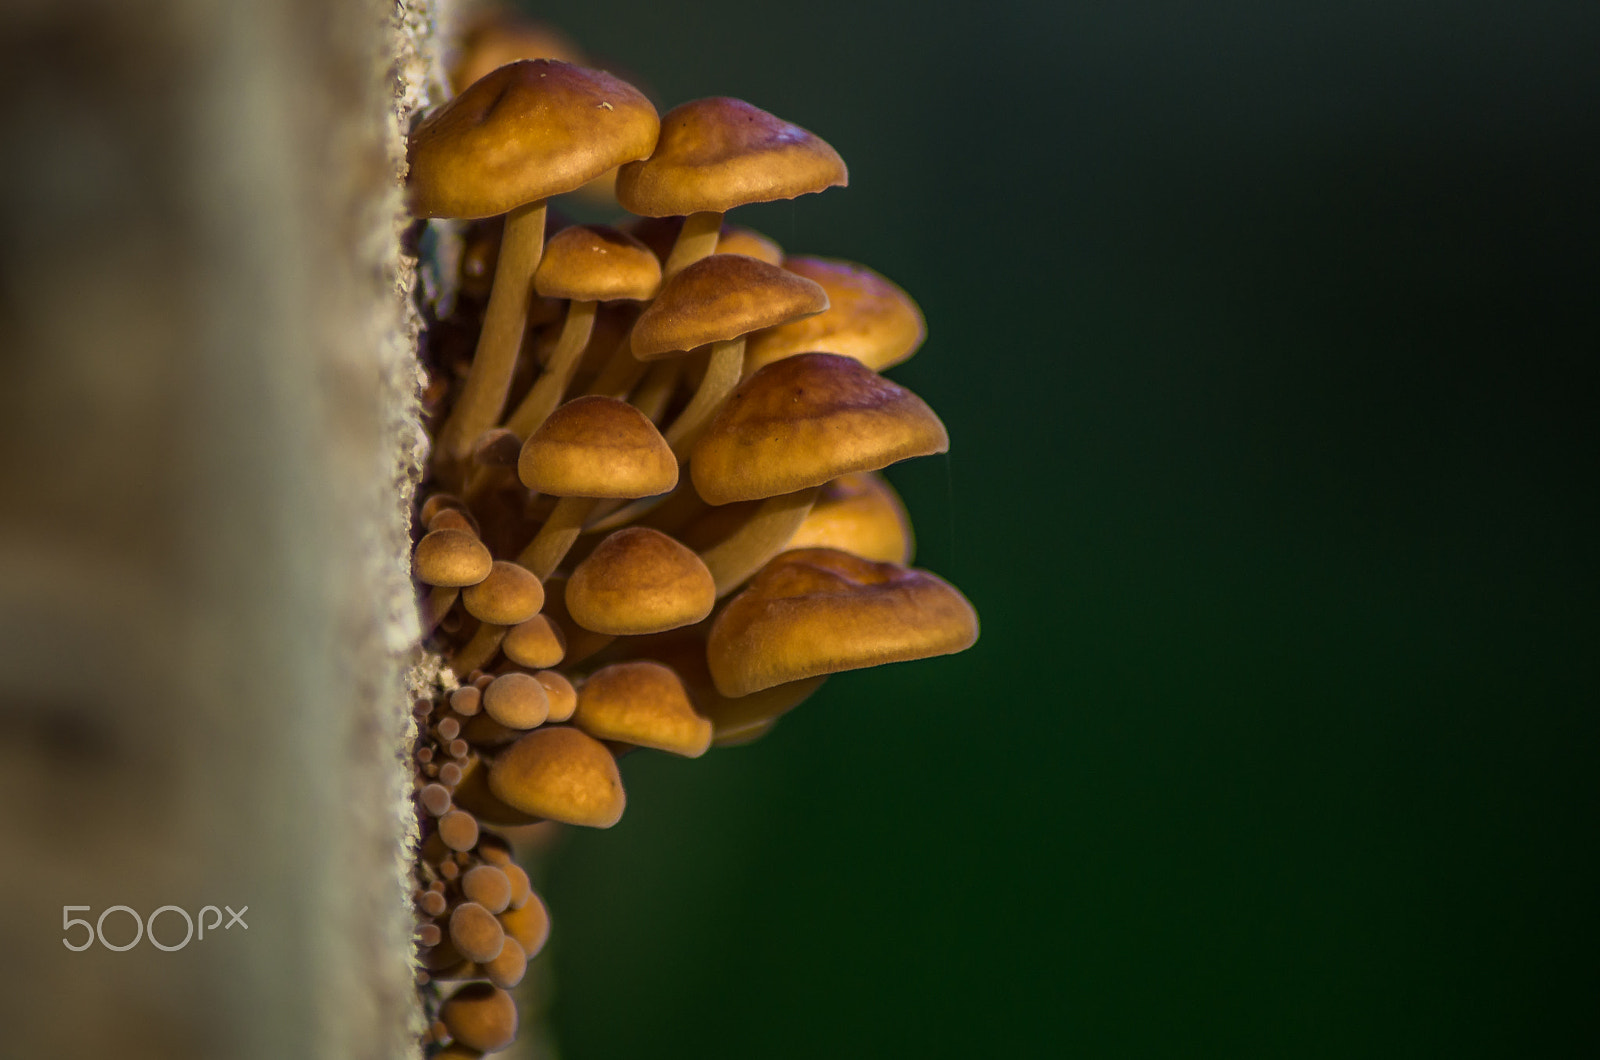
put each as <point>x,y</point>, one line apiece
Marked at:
<point>595,584</point>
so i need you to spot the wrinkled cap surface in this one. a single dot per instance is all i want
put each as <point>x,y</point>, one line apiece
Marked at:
<point>718,153</point>
<point>527,131</point>
<point>804,420</point>
<point>597,446</point>
<point>819,611</point>
<point>867,318</point>
<point>596,263</point>
<point>721,297</point>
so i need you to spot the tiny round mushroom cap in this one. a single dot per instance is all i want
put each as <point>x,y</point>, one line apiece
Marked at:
<point>867,318</point>
<point>717,153</point>
<point>819,611</point>
<point>508,596</point>
<point>475,933</point>
<point>561,774</point>
<point>517,701</point>
<point>804,420</point>
<point>639,580</point>
<point>718,298</point>
<point>488,887</point>
<point>642,703</point>
<point>480,1016</point>
<point>860,514</point>
<point>596,263</point>
<point>459,830</point>
<point>451,557</point>
<point>525,132</point>
<point>598,446</point>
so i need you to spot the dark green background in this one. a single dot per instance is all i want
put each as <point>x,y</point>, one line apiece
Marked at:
<point>1265,334</point>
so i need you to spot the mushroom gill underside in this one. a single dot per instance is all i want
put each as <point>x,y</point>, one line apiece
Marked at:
<point>661,523</point>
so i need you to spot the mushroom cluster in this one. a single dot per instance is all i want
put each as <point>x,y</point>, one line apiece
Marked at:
<point>654,516</point>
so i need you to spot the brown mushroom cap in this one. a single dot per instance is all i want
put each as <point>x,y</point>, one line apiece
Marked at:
<point>596,263</point>
<point>598,447</point>
<point>475,933</point>
<point>494,36</point>
<point>488,887</point>
<point>804,420</point>
<point>819,611</point>
<point>517,701</point>
<point>639,580</point>
<point>733,721</point>
<point>860,514</point>
<point>717,153</point>
<point>867,318</point>
<point>536,642</point>
<point>561,774</point>
<point>559,691</point>
<point>721,297</point>
<point>527,131</point>
<point>451,557</point>
<point>750,243</point>
<point>528,924</point>
<point>642,703</point>
<point>509,595</point>
<point>480,1016</point>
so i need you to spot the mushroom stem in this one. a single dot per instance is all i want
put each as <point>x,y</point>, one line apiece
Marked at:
<point>769,528</point>
<point>435,606</point>
<point>621,373</point>
<point>548,390</point>
<point>655,392</point>
<point>696,239</point>
<point>476,653</point>
<point>549,547</point>
<point>722,375</point>
<point>483,395</point>
<point>671,511</point>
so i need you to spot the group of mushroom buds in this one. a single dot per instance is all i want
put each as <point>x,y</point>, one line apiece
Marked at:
<point>559,528</point>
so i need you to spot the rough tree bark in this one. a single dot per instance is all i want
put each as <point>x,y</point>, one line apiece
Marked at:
<point>210,443</point>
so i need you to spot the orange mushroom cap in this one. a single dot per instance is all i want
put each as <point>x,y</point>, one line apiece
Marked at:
<point>804,420</point>
<point>819,611</point>
<point>525,132</point>
<point>598,447</point>
<point>642,703</point>
<point>595,263</point>
<point>860,514</point>
<point>561,774</point>
<point>721,297</point>
<point>639,580</point>
<point>717,153</point>
<point>867,318</point>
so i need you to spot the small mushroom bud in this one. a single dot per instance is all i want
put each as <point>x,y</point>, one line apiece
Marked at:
<point>487,886</point>
<point>459,830</point>
<point>480,1016</point>
<point>475,932</point>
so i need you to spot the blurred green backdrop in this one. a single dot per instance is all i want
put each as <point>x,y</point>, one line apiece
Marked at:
<point>1265,335</point>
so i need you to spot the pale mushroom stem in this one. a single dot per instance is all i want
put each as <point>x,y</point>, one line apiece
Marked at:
<point>549,547</point>
<point>655,392</point>
<point>476,653</point>
<point>722,375</point>
<point>547,392</point>
<point>697,239</point>
<point>764,535</point>
<point>621,373</point>
<point>483,395</point>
